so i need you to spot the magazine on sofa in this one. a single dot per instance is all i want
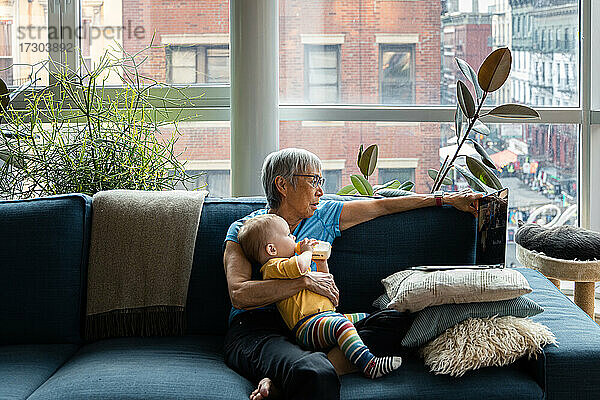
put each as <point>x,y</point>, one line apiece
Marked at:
<point>491,228</point>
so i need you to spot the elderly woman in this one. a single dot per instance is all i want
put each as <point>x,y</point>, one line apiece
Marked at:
<point>258,344</point>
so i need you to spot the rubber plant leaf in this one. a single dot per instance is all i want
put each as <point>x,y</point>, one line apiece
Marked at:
<point>465,99</point>
<point>458,121</point>
<point>483,173</point>
<point>471,180</point>
<point>368,160</point>
<point>408,186</point>
<point>484,155</point>
<point>360,151</point>
<point>348,189</point>
<point>394,192</point>
<point>495,70</point>
<point>385,185</point>
<point>471,75</point>
<point>480,127</point>
<point>361,185</point>
<point>433,175</point>
<point>514,111</point>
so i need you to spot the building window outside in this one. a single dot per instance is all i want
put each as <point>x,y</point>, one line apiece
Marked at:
<point>396,74</point>
<point>322,80</point>
<point>197,64</point>
<point>401,174</point>
<point>6,59</point>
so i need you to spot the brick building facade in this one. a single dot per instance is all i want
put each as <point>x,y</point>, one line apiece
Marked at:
<point>355,52</point>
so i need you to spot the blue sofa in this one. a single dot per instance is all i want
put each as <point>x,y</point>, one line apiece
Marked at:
<point>43,292</point>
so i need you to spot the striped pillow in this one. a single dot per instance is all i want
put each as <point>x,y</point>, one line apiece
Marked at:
<point>412,291</point>
<point>433,321</point>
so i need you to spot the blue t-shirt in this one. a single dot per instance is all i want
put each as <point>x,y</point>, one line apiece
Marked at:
<point>323,225</point>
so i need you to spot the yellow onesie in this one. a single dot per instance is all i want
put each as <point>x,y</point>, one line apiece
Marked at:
<point>303,303</point>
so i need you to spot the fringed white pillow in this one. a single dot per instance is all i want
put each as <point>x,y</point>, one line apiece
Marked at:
<point>484,342</point>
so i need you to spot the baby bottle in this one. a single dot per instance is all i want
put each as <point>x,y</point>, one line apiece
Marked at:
<point>321,251</point>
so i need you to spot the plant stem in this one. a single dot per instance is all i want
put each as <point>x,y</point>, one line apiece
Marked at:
<point>439,174</point>
<point>475,117</point>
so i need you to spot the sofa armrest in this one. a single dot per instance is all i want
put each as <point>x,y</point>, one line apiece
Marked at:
<point>570,370</point>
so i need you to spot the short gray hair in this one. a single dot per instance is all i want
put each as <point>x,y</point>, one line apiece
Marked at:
<point>285,163</point>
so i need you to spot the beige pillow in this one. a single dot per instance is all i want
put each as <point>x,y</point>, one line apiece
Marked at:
<point>485,342</point>
<point>414,290</point>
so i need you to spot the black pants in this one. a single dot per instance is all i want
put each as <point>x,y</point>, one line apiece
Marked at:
<point>259,344</point>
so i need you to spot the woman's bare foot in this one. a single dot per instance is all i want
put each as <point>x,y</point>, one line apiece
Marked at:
<point>265,389</point>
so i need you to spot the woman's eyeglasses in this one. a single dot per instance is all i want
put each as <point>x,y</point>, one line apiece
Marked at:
<point>316,180</point>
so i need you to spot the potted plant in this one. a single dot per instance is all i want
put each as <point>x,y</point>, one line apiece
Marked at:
<point>76,135</point>
<point>367,162</point>
<point>479,172</point>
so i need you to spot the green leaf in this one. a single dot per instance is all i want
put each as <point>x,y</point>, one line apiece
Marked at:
<point>495,70</point>
<point>386,185</point>
<point>471,75</point>
<point>514,111</point>
<point>433,175</point>
<point>394,192</point>
<point>361,185</point>
<point>348,189</point>
<point>480,127</point>
<point>484,155</point>
<point>368,160</point>
<point>471,180</point>
<point>465,99</point>
<point>458,121</point>
<point>408,186</point>
<point>360,151</point>
<point>483,173</point>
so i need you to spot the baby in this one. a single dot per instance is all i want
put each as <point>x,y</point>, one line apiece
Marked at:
<point>311,317</point>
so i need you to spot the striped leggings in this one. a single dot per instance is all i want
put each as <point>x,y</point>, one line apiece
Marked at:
<point>328,329</point>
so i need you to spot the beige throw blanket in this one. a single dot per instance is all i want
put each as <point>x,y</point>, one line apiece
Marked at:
<point>141,251</point>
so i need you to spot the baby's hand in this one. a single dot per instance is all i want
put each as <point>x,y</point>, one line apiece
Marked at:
<point>306,245</point>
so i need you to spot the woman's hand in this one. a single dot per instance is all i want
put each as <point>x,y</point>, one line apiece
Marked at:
<point>465,200</point>
<point>323,284</point>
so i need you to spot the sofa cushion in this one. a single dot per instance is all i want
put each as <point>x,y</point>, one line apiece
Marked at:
<point>208,304</point>
<point>23,368</point>
<point>412,381</point>
<point>43,270</point>
<point>189,367</point>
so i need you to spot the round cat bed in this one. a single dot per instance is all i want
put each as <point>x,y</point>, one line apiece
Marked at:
<point>583,273</point>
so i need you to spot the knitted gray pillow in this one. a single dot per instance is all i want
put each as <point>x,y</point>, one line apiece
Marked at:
<point>433,321</point>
